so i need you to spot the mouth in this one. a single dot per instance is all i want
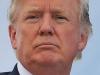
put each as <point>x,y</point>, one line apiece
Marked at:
<point>46,46</point>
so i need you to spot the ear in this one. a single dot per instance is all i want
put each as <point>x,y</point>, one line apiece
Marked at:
<point>83,40</point>
<point>12,35</point>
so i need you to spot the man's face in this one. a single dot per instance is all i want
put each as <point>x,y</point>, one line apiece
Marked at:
<point>47,32</point>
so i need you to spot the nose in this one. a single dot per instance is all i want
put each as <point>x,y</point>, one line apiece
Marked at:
<point>46,28</point>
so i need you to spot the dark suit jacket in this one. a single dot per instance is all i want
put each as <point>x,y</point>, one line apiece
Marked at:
<point>14,72</point>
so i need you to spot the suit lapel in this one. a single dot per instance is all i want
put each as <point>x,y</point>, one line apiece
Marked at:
<point>15,71</point>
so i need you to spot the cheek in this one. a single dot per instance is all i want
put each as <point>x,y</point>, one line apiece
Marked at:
<point>26,34</point>
<point>69,35</point>
<point>24,39</point>
<point>70,41</point>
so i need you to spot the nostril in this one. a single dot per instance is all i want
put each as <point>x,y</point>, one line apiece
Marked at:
<point>50,33</point>
<point>46,33</point>
<point>41,33</point>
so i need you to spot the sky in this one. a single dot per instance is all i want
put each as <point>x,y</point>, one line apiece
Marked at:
<point>88,65</point>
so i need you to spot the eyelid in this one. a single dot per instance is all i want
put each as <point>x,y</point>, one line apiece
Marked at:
<point>35,14</point>
<point>61,17</point>
<point>31,16</point>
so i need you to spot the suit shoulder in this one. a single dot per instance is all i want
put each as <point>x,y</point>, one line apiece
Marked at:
<point>13,72</point>
<point>4,73</point>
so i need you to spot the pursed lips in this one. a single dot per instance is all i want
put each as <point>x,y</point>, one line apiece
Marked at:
<point>46,45</point>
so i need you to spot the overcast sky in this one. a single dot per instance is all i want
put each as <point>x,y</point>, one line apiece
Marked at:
<point>88,65</point>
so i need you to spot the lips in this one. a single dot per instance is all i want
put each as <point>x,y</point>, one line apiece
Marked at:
<point>46,45</point>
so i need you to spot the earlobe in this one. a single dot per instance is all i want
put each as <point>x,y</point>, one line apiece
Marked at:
<point>12,35</point>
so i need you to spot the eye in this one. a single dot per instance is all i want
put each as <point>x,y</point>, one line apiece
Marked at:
<point>61,19</point>
<point>32,18</point>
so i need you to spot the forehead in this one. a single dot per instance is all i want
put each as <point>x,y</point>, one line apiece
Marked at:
<point>51,4</point>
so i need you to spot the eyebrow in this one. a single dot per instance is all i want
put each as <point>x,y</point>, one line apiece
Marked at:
<point>34,10</point>
<point>38,10</point>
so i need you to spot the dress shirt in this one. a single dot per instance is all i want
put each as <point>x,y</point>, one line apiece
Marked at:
<point>22,70</point>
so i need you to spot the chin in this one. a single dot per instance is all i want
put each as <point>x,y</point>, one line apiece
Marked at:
<point>48,58</point>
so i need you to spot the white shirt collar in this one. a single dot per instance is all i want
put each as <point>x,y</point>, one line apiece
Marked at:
<point>22,70</point>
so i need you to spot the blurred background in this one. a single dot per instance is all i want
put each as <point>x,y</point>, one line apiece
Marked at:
<point>88,65</point>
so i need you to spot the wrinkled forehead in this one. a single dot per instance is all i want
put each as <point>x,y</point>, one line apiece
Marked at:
<point>51,4</point>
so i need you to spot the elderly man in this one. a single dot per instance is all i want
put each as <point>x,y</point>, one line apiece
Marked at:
<point>47,35</point>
